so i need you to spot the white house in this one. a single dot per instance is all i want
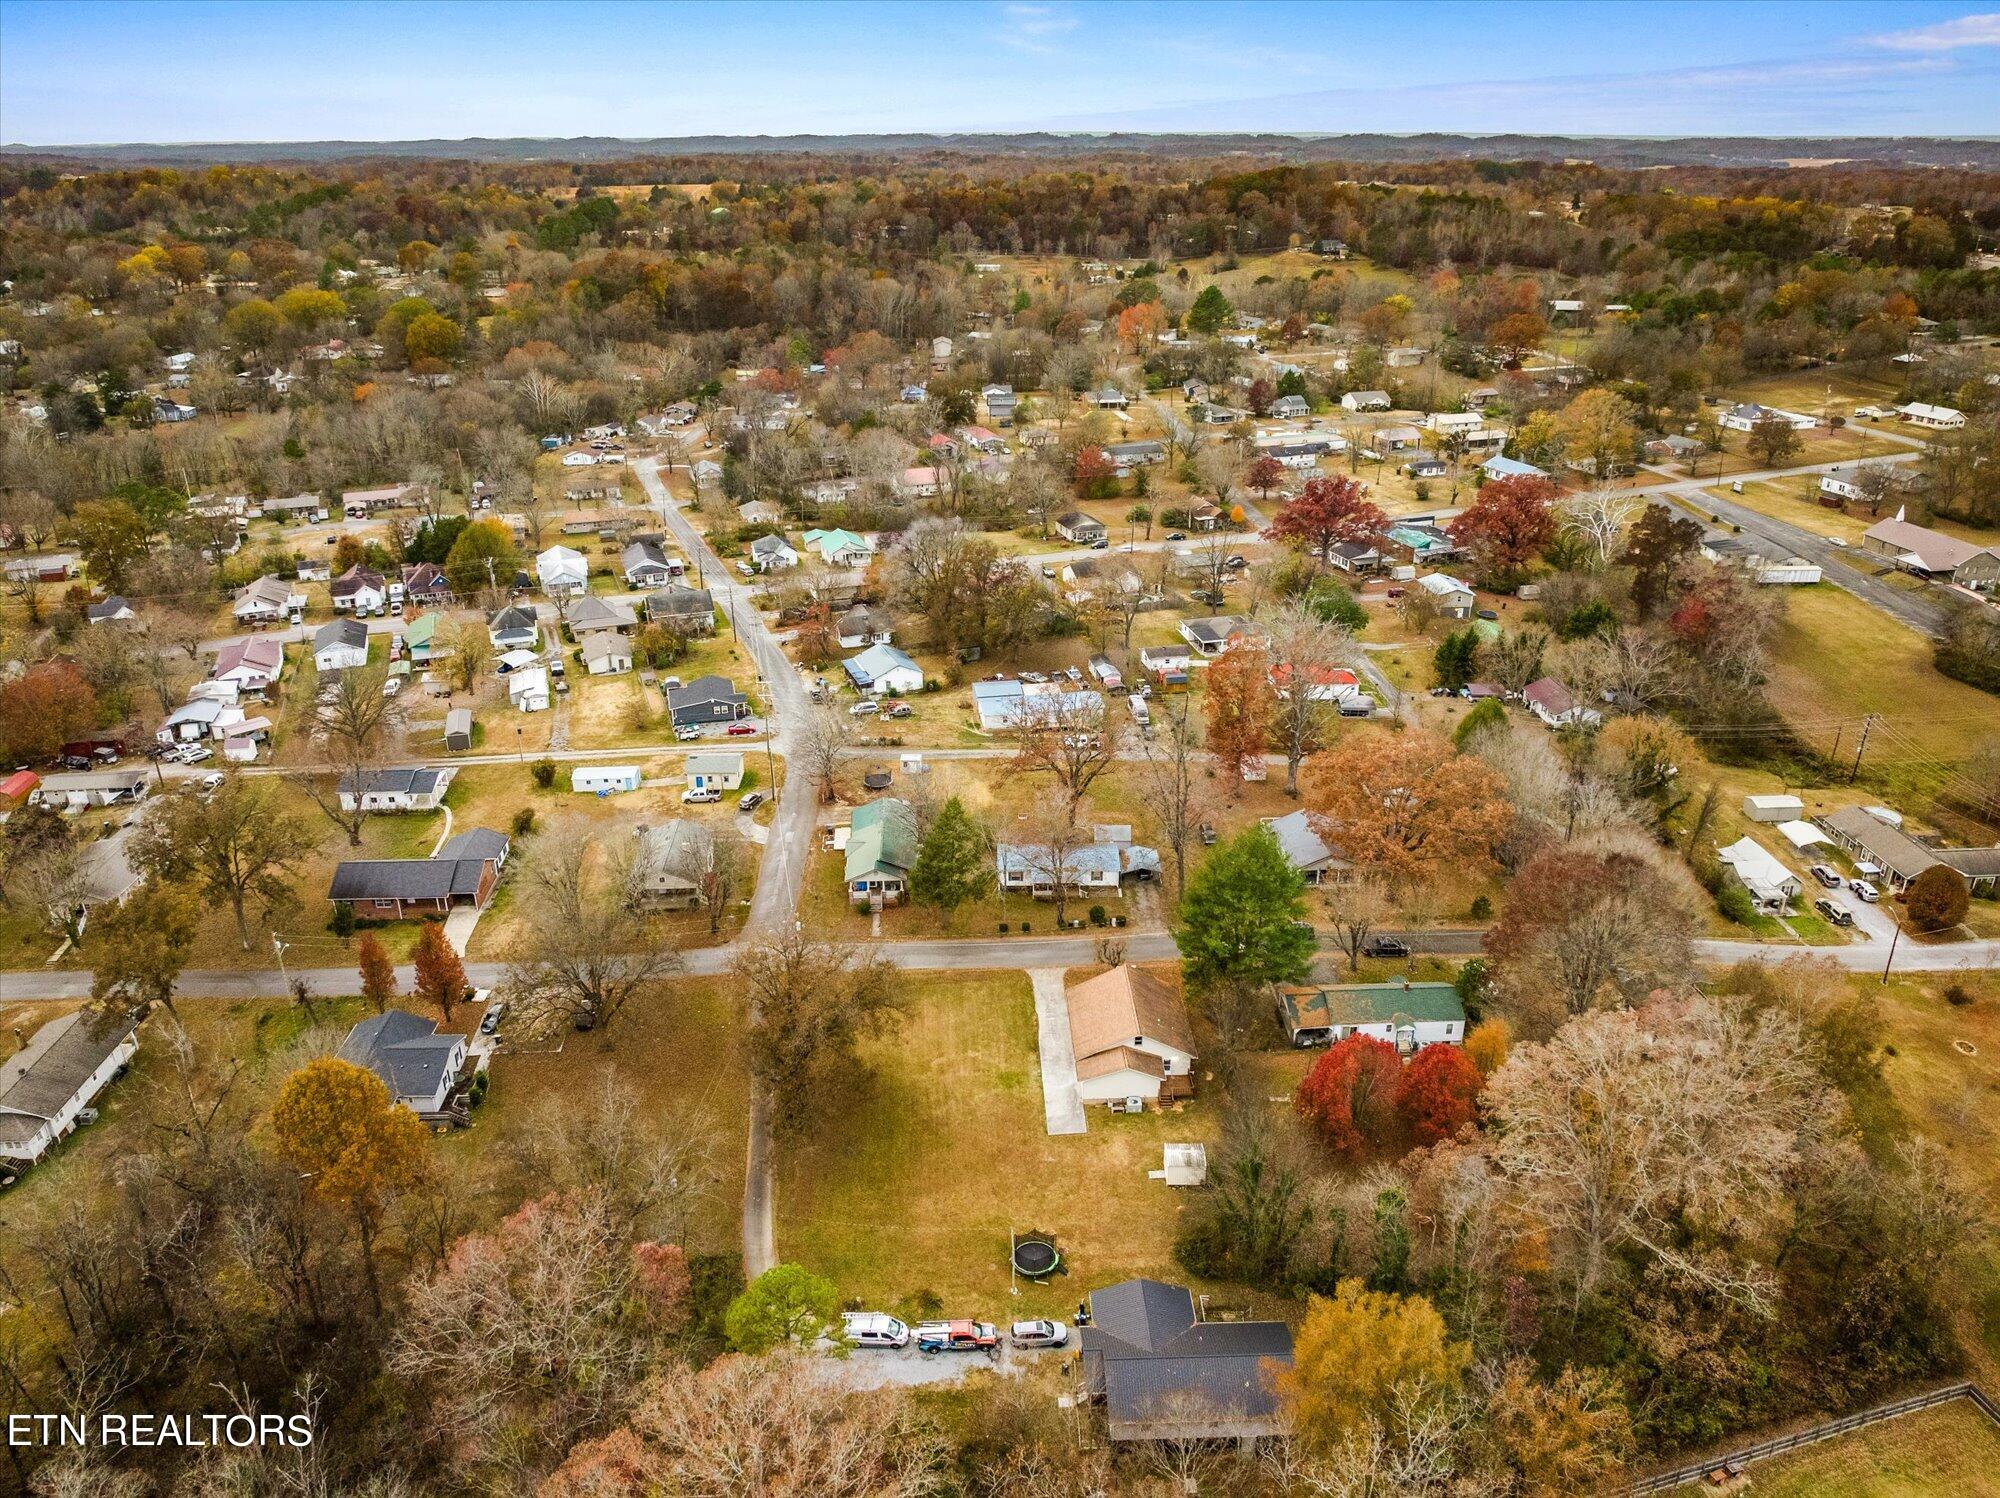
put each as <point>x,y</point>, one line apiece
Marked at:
<point>861,626</point>
<point>408,788</point>
<point>75,790</point>
<point>1772,886</point>
<point>1130,1034</point>
<point>57,1074</point>
<point>1937,418</point>
<point>249,665</point>
<point>604,780</point>
<point>1455,421</point>
<point>1408,1016</point>
<point>419,1064</point>
<point>266,601</point>
<point>770,552</point>
<point>561,570</point>
<point>340,644</point>
<point>579,460</point>
<point>199,718</point>
<point>606,653</point>
<point>1365,400</point>
<point>359,590</point>
<point>1745,416</point>
<point>882,669</point>
<point>1308,852</point>
<point>715,771</point>
<point>529,690</point>
<point>840,548</point>
<point>1552,702</point>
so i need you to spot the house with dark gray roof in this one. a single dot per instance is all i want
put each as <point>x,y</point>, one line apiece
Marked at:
<point>418,1064</point>
<point>409,788</point>
<point>51,1079</point>
<point>706,699</point>
<point>394,889</point>
<point>1161,1373</point>
<point>482,843</point>
<point>688,610</point>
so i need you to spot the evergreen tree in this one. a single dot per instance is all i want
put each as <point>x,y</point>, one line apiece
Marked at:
<point>951,862</point>
<point>1241,919</point>
<point>1210,311</point>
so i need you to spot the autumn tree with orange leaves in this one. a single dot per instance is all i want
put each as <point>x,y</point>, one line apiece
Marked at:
<point>1507,525</point>
<point>440,977</point>
<point>1405,808</point>
<point>1239,703</point>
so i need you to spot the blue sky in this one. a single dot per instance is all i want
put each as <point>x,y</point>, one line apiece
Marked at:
<point>73,73</point>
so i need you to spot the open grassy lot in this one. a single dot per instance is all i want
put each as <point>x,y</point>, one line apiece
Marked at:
<point>1951,1448</point>
<point>1837,658</point>
<point>917,1184</point>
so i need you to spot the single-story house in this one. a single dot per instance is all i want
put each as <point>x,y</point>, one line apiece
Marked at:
<point>114,610</point>
<point>1082,529</point>
<point>340,644</point>
<point>1166,664</point>
<point>198,718</point>
<point>399,888</point>
<point>1365,400</point>
<point>840,548</point>
<point>1407,1015</point>
<point>514,628</point>
<point>1455,599</point>
<point>671,865</point>
<point>1008,704</point>
<point>266,601</point>
<point>1291,407</point>
<point>883,668</point>
<point>1130,1034</point>
<point>458,730</point>
<point>57,1074</point>
<point>1104,673</point>
<point>1771,885</point>
<point>1305,850</point>
<point>1397,439</point>
<point>1901,857</point>
<point>689,611</point>
<point>1937,418</point>
<point>589,615</point>
<point>1354,556</point>
<point>249,665</point>
<point>1093,866</point>
<point>1109,397</point>
<point>1766,564</point>
<point>1676,448</point>
<point>528,689</point>
<point>1744,417</point>
<point>75,790</point>
<point>1323,683</point>
<point>418,1063</point>
<point>1425,465</point>
<point>411,788</point>
<point>646,565</point>
<point>1210,637</point>
<point>604,780</point>
<point>1552,702</point>
<point>359,590</point>
<point>861,626</point>
<point>717,771</point>
<point>1126,456</point>
<point>1498,467</point>
<point>606,653</point>
<point>420,639</point>
<point>881,850</point>
<point>768,552</point>
<point>1424,540</point>
<point>706,699</point>
<point>562,570</point>
<point>1161,1373</point>
<point>358,504</point>
<point>1933,554</point>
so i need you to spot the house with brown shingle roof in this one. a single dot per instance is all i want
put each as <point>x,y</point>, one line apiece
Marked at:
<point>1131,1036</point>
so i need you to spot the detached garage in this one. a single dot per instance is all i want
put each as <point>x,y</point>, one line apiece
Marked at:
<point>604,780</point>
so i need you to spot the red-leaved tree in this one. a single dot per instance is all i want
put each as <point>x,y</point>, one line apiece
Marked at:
<point>1506,527</point>
<point>1094,474</point>
<point>1349,1097</point>
<point>1329,511</point>
<point>42,709</point>
<point>1264,475</point>
<point>1438,1094</point>
<point>1239,704</point>
<point>440,977</point>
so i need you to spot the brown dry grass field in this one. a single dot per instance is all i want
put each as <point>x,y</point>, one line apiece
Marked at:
<point>1951,1448</point>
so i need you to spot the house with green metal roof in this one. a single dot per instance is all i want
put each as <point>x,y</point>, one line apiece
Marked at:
<point>421,638</point>
<point>881,849</point>
<point>1408,1015</point>
<point>840,548</point>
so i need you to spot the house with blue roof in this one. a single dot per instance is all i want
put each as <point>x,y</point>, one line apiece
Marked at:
<point>1498,467</point>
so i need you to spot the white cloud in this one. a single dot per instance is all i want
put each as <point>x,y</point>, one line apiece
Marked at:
<point>1039,20</point>
<point>1946,36</point>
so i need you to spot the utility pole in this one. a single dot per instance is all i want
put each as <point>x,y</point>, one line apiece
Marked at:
<point>1893,938</point>
<point>278,946</point>
<point>1861,748</point>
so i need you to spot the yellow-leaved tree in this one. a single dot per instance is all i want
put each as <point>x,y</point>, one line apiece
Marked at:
<point>1358,1355</point>
<point>336,1124</point>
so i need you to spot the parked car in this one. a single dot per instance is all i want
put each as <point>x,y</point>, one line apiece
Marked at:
<point>873,1329</point>
<point>898,710</point>
<point>1208,596</point>
<point>751,802</point>
<point>700,795</point>
<point>1038,1334</point>
<point>1236,563</point>
<point>210,783</point>
<point>739,730</point>
<point>1176,536</point>
<point>956,1336</point>
<point>1047,570</point>
<point>865,709</point>
<point>1386,946</point>
<point>73,761</point>
<point>1840,915</point>
<point>1867,893</point>
<point>1208,834</point>
<point>392,686</point>
<point>1100,544</point>
<point>494,1014</point>
<point>1826,876</point>
<point>191,754</point>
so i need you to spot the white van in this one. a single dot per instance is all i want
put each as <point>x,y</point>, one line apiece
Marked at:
<point>1140,714</point>
<point>873,1329</point>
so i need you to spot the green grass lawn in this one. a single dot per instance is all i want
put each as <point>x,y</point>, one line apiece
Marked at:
<point>1949,1449</point>
<point>916,1184</point>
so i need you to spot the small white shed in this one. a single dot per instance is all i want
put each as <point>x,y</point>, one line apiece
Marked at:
<point>1185,1165</point>
<point>604,780</point>
<point>1773,808</point>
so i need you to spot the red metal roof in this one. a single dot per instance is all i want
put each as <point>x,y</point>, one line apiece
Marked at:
<point>19,784</point>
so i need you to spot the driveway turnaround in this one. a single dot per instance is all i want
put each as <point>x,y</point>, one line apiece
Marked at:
<point>1062,1107</point>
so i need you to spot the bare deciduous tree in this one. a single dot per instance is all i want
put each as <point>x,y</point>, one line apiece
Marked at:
<point>823,736</point>
<point>354,719</point>
<point>1170,781</point>
<point>1303,647</point>
<point>1599,517</point>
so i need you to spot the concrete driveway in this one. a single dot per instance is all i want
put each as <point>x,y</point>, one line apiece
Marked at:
<point>1062,1107</point>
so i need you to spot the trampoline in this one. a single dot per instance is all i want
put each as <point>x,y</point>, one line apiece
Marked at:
<point>1036,1256</point>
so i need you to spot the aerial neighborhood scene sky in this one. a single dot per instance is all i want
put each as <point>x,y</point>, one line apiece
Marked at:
<point>312,71</point>
<point>1025,749</point>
